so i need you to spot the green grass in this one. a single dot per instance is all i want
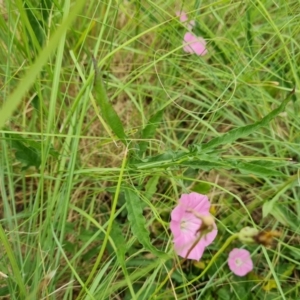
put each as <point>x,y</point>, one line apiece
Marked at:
<point>91,166</point>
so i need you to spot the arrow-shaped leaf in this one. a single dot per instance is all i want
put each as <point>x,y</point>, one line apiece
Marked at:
<point>138,222</point>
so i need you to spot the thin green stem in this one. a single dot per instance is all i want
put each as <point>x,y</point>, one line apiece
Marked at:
<point>13,263</point>
<point>110,224</point>
<point>221,250</point>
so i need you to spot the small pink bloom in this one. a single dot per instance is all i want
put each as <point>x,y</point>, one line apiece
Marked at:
<point>184,18</point>
<point>194,44</point>
<point>240,262</point>
<point>185,225</point>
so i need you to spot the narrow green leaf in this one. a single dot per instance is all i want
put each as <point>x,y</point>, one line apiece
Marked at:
<point>200,151</point>
<point>38,20</point>
<point>120,243</point>
<point>267,208</point>
<point>36,102</point>
<point>108,113</point>
<point>249,29</point>
<point>258,170</point>
<point>244,131</point>
<point>163,160</point>
<point>289,269</point>
<point>17,274</point>
<point>32,72</point>
<point>282,213</point>
<point>244,167</point>
<point>205,165</point>
<point>4,291</point>
<point>151,187</point>
<point>46,9</point>
<point>35,24</point>
<point>120,250</point>
<point>270,206</point>
<point>278,215</point>
<point>138,222</point>
<point>149,131</point>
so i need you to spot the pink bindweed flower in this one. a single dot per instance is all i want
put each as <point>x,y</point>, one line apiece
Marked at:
<point>240,262</point>
<point>184,19</point>
<point>182,16</point>
<point>193,44</point>
<point>191,220</point>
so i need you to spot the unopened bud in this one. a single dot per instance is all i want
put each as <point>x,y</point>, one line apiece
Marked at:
<point>208,220</point>
<point>207,225</point>
<point>248,235</point>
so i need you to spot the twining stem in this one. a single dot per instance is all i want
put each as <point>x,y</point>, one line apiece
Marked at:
<point>220,251</point>
<point>109,227</point>
<point>204,229</point>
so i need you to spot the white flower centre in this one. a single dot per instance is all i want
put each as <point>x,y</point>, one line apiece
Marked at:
<point>183,224</point>
<point>238,262</point>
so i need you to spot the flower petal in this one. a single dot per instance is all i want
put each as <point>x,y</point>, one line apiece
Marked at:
<point>182,16</point>
<point>175,228</point>
<point>178,212</point>
<point>183,247</point>
<point>210,237</point>
<point>186,221</point>
<point>240,262</point>
<point>195,201</point>
<point>194,44</point>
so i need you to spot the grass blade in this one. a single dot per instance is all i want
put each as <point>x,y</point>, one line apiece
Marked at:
<point>244,131</point>
<point>149,130</point>
<point>29,77</point>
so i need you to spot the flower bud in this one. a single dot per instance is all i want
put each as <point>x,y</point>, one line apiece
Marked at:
<point>207,220</point>
<point>248,235</point>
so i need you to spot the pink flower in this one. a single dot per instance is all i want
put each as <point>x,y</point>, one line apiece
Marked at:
<point>240,262</point>
<point>194,44</point>
<point>188,219</point>
<point>184,18</point>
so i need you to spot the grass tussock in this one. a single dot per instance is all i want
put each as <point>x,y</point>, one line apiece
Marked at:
<point>93,158</point>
